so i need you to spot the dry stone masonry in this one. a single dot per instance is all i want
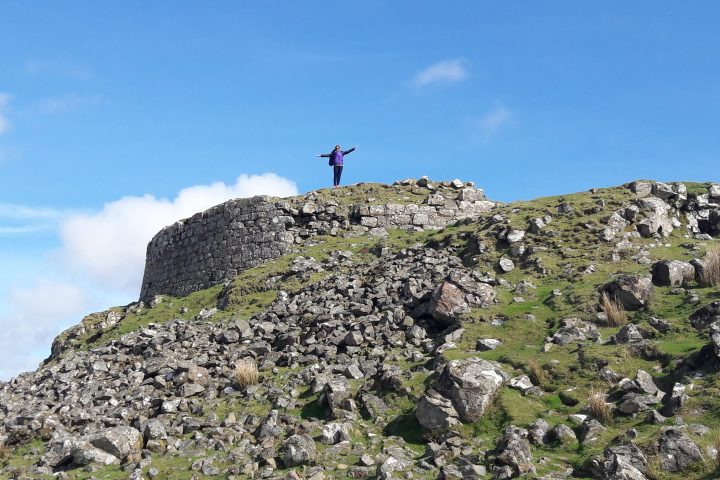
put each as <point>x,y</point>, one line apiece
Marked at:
<point>214,246</point>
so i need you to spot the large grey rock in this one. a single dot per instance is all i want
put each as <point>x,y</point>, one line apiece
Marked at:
<point>118,441</point>
<point>448,303</point>
<point>672,273</point>
<point>624,462</point>
<point>333,433</point>
<point>657,219</point>
<point>632,291</point>
<point>590,430</point>
<point>706,315</point>
<point>513,450</point>
<point>471,384</point>
<point>298,450</point>
<point>575,330</point>
<point>641,188</point>
<point>635,402</point>
<point>85,454</point>
<point>627,334</point>
<point>677,451</point>
<point>715,337</point>
<point>436,412</point>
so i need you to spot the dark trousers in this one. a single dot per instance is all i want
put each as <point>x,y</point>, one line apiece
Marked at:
<point>337,173</point>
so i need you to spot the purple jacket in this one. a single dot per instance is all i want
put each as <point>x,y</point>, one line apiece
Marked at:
<point>336,157</point>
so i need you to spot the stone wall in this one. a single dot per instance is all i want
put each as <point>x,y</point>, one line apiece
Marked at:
<point>216,245</point>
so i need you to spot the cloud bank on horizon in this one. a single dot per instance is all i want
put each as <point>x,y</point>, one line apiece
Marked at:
<point>101,257</point>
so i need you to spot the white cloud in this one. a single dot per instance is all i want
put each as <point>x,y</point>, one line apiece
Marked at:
<point>109,246</point>
<point>21,219</point>
<point>30,320</point>
<point>493,121</point>
<point>446,71</point>
<point>4,122</point>
<point>55,68</point>
<point>64,103</point>
<point>23,212</point>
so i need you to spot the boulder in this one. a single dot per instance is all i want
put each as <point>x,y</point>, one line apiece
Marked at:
<point>677,451</point>
<point>298,450</point>
<point>471,384</point>
<point>447,303</point>
<point>673,273</point>
<point>635,402</point>
<point>715,337</point>
<point>627,334</point>
<point>513,451</point>
<point>590,430</point>
<point>538,431</point>
<point>485,344</point>
<point>563,434</point>
<point>703,317</point>
<point>674,400</point>
<point>632,291</point>
<point>514,236</point>
<point>436,412</point>
<point>623,462</point>
<point>575,330</point>
<point>506,265</point>
<point>641,188</point>
<point>657,220</point>
<point>118,441</point>
<point>333,433</point>
<point>85,454</point>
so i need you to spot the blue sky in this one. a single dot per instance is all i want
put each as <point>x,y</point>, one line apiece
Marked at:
<point>110,109</point>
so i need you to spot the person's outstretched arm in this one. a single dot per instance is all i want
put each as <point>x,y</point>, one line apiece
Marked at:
<point>324,155</point>
<point>349,151</point>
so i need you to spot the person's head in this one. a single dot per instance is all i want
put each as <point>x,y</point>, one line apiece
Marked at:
<point>337,147</point>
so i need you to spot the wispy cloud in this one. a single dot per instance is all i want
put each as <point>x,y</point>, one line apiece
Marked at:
<point>24,212</point>
<point>55,68</point>
<point>64,103</point>
<point>443,72</point>
<point>493,121</point>
<point>22,219</point>
<point>4,122</point>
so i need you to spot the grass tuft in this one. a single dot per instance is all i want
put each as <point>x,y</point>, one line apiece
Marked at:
<point>537,373</point>
<point>246,373</point>
<point>614,312</point>
<point>5,452</point>
<point>710,274</point>
<point>598,408</point>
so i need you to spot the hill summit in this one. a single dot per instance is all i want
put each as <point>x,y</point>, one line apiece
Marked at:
<point>414,330</point>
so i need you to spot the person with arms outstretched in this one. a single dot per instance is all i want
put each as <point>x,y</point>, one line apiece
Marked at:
<point>336,161</point>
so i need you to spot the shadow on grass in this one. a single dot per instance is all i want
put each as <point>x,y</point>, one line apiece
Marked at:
<point>313,410</point>
<point>407,427</point>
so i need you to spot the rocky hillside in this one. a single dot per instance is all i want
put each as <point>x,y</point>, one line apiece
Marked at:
<point>565,337</point>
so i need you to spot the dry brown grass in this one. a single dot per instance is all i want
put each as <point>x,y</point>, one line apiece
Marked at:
<point>614,311</point>
<point>5,452</point>
<point>598,408</point>
<point>246,373</point>
<point>710,274</point>
<point>537,373</point>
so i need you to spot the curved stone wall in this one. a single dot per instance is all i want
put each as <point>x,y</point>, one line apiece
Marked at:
<point>214,246</point>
